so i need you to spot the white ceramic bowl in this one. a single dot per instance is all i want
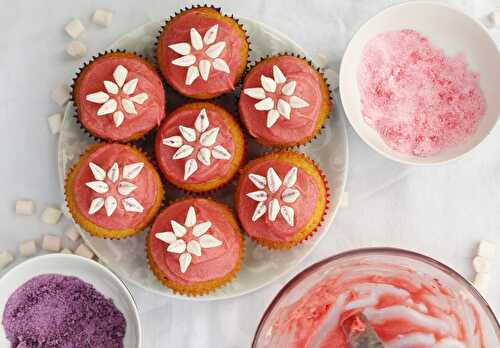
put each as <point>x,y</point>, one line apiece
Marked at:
<point>105,281</point>
<point>447,28</point>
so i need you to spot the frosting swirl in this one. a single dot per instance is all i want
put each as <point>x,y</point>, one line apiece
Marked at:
<point>405,308</point>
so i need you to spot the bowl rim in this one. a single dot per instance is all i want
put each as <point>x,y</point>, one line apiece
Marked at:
<point>292,283</point>
<point>414,160</point>
<point>92,264</point>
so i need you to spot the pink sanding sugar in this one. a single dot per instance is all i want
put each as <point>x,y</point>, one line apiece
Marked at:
<point>52,310</point>
<point>419,100</point>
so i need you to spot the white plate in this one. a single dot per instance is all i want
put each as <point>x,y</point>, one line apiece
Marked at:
<point>447,28</point>
<point>261,266</point>
<point>105,281</point>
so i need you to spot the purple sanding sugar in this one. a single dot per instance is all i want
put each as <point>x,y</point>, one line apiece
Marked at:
<point>52,310</point>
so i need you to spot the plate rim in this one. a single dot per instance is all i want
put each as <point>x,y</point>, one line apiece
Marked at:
<point>327,224</point>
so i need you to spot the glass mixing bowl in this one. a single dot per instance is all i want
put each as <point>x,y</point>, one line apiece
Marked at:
<point>300,307</point>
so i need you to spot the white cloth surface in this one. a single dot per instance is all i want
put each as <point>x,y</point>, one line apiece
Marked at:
<point>440,211</point>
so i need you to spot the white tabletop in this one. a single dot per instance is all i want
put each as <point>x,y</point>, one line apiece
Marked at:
<point>440,211</point>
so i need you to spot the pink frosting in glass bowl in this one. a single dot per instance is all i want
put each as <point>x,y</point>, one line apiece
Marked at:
<point>202,35</point>
<point>203,231</point>
<point>409,299</point>
<point>131,84</point>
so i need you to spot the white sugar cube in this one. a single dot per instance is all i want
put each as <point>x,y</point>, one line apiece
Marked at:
<point>51,242</point>
<point>482,264</point>
<point>482,281</point>
<point>60,95</point>
<point>102,17</point>
<point>76,49</point>
<point>55,122</point>
<point>495,17</point>
<point>66,251</point>
<point>321,60</point>
<point>51,215</point>
<point>74,28</point>
<point>332,78</point>
<point>487,249</point>
<point>84,251</point>
<point>72,234</point>
<point>25,207</point>
<point>27,248</point>
<point>5,259</point>
<point>344,200</point>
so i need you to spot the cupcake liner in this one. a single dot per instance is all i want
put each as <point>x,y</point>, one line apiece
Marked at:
<point>98,231</point>
<point>219,10</point>
<point>203,288</point>
<point>274,245</point>
<point>310,138</point>
<point>95,137</point>
<point>228,181</point>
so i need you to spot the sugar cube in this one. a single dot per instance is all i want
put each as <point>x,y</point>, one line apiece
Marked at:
<point>55,121</point>
<point>74,28</point>
<point>102,17</point>
<point>482,281</point>
<point>25,207</point>
<point>76,49</point>
<point>51,215</point>
<point>84,251</point>
<point>27,248</point>
<point>66,251</point>
<point>60,95</point>
<point>332,78</point>
<point>482,264</point>
<point>51,243</point>
<point>72,233</point>
<point>495,17</point>
<point>5,259</point>
<point>487,249</point>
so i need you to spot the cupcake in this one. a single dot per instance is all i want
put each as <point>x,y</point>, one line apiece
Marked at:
<point>195,246</point>
<point>284,101</point>
<point>281,199</point>
<point>113,191</point>
<point>199,147</point>
<point>202,53</point>
<point>119,96</point>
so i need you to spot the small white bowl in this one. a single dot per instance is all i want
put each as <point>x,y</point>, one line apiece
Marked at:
<point>447,28</point>
<point>105,281</point>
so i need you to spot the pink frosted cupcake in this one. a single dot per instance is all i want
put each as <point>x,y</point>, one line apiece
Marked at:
<point>202,53</point>
<point>281,199</point>
<point>119,96</point>
<point>199,147</point>
<point>284,101</point>
<point>195,246</point>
